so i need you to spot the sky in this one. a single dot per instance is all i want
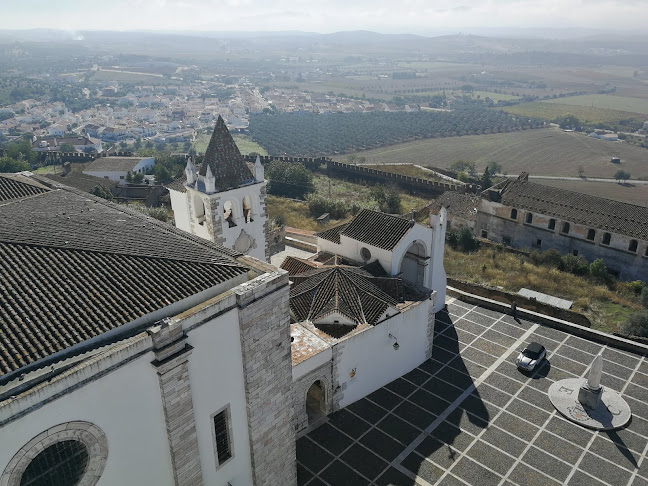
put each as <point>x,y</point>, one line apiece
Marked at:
<point>324,16</point>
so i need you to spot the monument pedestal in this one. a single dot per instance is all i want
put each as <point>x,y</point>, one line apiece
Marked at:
<point>589,397</point>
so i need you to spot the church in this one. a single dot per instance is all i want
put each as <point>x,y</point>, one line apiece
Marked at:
<point>136,352</point>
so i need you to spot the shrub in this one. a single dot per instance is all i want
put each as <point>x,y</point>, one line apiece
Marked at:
<point>598,269</point>
<point>574,264</point>
<point>279,220</point>
<point>551,258</point>
<point>101,191</point>
<point>636,324</point>
<point>644,297</point>
<point>453,240</point>
<point>289,179</point>
<point>467,241</point>
<point>389,199</point>
<point>318,205</point>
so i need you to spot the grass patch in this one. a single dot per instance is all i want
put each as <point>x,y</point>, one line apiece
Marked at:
<point>48,169</point>
<point>606,309</point>
<point>607,102</point>
<point>294,213</point>
<point>245,144</point>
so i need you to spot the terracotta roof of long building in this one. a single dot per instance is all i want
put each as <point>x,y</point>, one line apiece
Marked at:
<point>16,186</point>
<point>225,160</point>
<point>73,266</point>
<point>371,227</point>
<point>596,212</point>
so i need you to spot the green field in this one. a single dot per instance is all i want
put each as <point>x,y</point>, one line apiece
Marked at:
<point>550,110</point>
<point>546,151</point>
<point>607,102</point>
<point>128,77</point>
<point>244,143</point>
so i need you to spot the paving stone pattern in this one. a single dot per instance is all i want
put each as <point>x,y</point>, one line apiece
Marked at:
<point>467,416</point>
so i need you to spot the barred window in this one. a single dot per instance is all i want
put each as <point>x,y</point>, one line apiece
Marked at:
<point>222,437</point>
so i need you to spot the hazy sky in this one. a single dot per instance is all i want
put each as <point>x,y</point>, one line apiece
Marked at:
<point>393,16</point>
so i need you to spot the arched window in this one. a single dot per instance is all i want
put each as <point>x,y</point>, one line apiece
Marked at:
<point>228,213</point>
<point>62,463</point>
<point>607,237</point>
<point>633,246</point>
<point>565,228</point>
<point>513,213</point>
<point>199,209</point>
<point>590,234</point>
<point>552,224</point>
<point>247,209</point>
<point>529,218</point>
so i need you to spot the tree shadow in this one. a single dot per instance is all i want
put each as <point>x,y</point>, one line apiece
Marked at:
<point>444,444</point>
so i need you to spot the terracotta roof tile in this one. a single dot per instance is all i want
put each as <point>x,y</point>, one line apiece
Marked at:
<point>15,186</point>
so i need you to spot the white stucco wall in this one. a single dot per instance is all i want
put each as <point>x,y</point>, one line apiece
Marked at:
<point>180,206</point>
<point>126,405</point>
<point>372,355</point>
<point>312,363</point>
<point>216,375</point>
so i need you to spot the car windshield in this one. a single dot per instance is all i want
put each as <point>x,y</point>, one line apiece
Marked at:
<point>533,351</point>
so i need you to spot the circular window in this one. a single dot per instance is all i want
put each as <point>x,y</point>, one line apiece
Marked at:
<point>365,254</point>
<point>73,453</point>
<point>62,463</point>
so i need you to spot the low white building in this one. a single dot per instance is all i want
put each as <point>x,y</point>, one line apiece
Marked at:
<point>117,168</point>
<point>363,309</point>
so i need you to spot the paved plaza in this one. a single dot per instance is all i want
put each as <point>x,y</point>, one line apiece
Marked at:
<point>468,416</point>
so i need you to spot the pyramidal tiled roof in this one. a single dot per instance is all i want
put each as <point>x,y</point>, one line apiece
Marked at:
<point>345,290</point>
<point>225,160</point>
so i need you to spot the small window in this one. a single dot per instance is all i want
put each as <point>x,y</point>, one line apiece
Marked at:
<point>506,240</point>
<point>552,224</point>
<point>538,243</point>
<point>365,254</point>
<point>121,177</point>
<point>575,252</point>
<point>565,228</point>
<point>607,237</point>
<point>513,213</point>
<point>484,234</point>
<point>590,234</point>
<point>633,246</point>
<point>529,218</point>
<point>222,438</point>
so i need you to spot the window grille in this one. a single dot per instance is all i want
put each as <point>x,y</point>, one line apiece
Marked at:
<point>61,464</point>
<point>222,437</point>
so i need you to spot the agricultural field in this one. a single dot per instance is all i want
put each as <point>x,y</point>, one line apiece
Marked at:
<point>547,151</point>
<point>244,143</point>
<point>408,170</point>
<point>550,110</point>
<point>606,101</point>
<point>130,77</point>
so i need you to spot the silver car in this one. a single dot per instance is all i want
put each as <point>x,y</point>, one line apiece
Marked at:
<point>529,358</point>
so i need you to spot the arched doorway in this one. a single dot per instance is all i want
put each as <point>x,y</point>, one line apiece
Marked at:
<point>414,263</point>
<point>315,402</point>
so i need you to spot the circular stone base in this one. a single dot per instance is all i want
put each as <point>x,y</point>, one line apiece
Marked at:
<point>612,412</point>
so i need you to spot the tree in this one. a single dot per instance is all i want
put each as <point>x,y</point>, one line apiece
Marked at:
<point>10,165</point>
<point>495,168</point>
<point>621,175</point>
<point>598,269</point>
<point>129,176</point>
<point>66,148</point>
<point>464,166</point>
<point>22,151</point>
<point>486,181</point>
<point>581,171</point>
<point>138,178</point>
<point>101,191</point>
<point>388,200</point>
<point>466,241</point>
<point>289,179</point>
<point>636,324</point>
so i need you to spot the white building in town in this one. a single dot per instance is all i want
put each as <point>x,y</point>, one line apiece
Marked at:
<point>223,200</point>
<point>117,168</point>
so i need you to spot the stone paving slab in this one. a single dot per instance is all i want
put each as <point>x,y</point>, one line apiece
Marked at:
<point>422,429</point>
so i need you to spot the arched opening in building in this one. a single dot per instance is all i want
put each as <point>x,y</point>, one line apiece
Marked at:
<point>414,262</point>
<point>228,213</point>
<point>633,246</point>
<point>514,213</point>
<point>62,463</point>
<point>247,209</point>
<point>199,209</point>
<point>316,402</point>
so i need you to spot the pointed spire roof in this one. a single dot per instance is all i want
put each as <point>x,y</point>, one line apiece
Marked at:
<point>225,160</point>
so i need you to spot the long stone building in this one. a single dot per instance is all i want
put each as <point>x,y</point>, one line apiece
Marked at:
<point>524,214</point>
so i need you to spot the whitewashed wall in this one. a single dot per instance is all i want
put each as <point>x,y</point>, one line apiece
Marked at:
<point>180,205</point>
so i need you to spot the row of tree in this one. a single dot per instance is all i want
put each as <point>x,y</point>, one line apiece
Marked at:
<point>313,134</point>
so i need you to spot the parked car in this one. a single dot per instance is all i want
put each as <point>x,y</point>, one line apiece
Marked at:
<point>531,356</point>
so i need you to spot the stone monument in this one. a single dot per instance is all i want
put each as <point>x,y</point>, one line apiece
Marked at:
<point>594,406</point>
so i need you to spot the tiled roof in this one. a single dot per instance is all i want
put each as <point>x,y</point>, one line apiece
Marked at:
<point>294,265</point>
<point>118,164</point>
<point>349,291</point>
<point>457,204</point>
<point>73,266</point>
<point>373,228</point>
<point>15,186</point>
<point>225,159</point>
<point>82,181</point>
<point>596,212</point>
